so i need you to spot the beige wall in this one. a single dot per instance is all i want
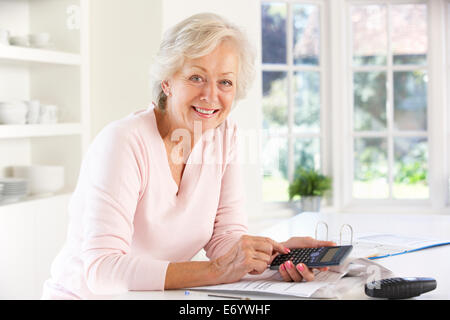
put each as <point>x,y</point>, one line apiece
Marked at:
<point>124,37</point>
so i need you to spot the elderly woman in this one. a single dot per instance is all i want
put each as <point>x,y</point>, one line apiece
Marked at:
<point>163,183</point>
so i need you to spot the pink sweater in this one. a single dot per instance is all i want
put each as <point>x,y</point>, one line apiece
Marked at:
<point>127,221</point>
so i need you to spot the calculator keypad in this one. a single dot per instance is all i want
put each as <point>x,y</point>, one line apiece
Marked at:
<point>302,255</point>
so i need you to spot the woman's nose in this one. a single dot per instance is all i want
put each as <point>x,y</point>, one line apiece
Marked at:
<point>209,93</point>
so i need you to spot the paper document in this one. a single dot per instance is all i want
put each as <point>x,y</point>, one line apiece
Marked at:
<point>327,284</point>
<point>375,246</point>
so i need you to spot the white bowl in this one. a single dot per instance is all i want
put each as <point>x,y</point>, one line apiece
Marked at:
<point>19,41</point>
<point>13,117</point>
<point>39,40</point>
<point>13,112</point>
<point>41,179</point>
<point>17,104</point>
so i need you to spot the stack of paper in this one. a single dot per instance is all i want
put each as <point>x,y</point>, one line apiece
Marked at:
<point>327,284</point>
<point>376,246</point>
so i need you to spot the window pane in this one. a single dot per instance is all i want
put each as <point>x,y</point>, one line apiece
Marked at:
<point>273,32</point>
<point>370,169</point>
<point>369,35</point>
<point>411,168</point>
<point>306,101</point>
<point>409,33</point>
<point>275,166</point>
<point>410,100</point>
<point>275,104</point>
<point>307,154</point>
<point>306,34</point>
<point>369,99</point>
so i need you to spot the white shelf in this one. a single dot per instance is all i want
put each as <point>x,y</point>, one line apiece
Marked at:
<point>23,54</point>
<point>31,201</point>
<point>39,130</point>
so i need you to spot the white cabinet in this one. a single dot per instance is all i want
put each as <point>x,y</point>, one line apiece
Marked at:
<point>31,234</point>
<point>32,231</point>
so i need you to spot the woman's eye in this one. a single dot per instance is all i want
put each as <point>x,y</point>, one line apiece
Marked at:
<point>196,78</point>
<point>227,83</point>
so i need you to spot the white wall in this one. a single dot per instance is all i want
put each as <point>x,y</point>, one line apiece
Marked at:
<point>124,37</point>
<point>246,14</point>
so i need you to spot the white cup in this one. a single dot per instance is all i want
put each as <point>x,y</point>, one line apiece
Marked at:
<point>48,114</point>
<point>21,41</point>
<point>34,107</point>
<point>4,36</point>
<point>39,40</point>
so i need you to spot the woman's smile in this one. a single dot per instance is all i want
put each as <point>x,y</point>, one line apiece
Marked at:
<point>205,113</point>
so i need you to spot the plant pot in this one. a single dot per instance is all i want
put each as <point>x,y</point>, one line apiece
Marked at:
<point>310,204</point>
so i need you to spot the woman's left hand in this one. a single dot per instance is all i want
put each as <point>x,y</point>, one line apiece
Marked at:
<point>297,273</point>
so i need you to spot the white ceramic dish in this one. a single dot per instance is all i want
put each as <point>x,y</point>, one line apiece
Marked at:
<point>14,112</point>
<point>42,179</point>
<point>19,41</point>
<point>4,36</point>
<point>13,190</point>
<point>34,108</point>
<point>13,117</point>
<point>20,105</point>
<point>48,114</point>
<point>39,40</point>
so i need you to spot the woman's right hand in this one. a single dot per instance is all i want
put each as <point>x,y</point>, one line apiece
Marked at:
<point>251,254</point>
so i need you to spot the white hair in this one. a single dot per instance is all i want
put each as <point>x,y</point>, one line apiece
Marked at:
<point>196,37</point>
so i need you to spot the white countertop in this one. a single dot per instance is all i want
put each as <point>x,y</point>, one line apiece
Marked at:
<point>433,262</point>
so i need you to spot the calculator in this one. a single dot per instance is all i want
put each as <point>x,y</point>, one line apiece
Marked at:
<point>314,257</point>
<point>399,288</point>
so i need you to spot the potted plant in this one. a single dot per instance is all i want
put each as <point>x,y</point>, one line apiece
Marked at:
<point>310,186</point>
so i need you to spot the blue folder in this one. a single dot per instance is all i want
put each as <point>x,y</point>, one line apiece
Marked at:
<point>411,250</point>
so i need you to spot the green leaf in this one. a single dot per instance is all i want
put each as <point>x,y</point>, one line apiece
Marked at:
<point>308,183</point>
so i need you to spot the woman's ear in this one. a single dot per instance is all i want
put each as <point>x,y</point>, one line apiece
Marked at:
<point>166,88</point>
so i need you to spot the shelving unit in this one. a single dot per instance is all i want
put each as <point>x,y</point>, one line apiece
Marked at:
<point>59,76</point>
<point>21,54</point>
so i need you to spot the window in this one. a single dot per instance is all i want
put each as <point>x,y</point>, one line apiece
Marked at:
<point>292,79</point>
<point>447,28</point>
<point>359,89</point>
<point>390,104</point>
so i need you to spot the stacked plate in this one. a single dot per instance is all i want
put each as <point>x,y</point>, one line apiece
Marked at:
<point>13,189</point>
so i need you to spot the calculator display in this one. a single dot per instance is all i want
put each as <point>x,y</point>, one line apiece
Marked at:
<point>329,255</point>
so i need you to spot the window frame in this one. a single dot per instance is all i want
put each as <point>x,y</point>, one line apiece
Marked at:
<point>290,68</point>
<point>390,133</point>
<point>447,98</point>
